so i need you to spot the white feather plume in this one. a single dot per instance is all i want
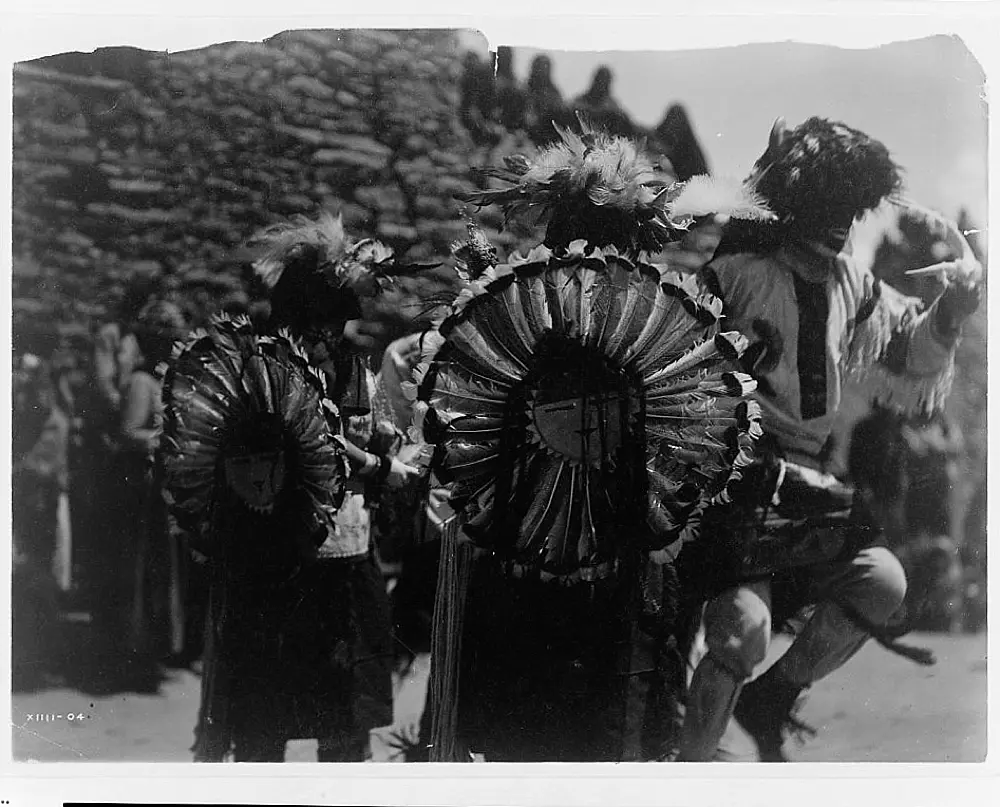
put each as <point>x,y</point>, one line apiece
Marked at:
<point>279,241</point>
<point>723,196</point>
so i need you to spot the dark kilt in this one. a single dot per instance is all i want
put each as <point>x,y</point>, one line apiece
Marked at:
<point>306,657</point>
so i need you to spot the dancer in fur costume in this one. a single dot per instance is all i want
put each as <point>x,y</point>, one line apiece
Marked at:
<point>816,317</point>
<point>259,469</point>
<point>585,409</point>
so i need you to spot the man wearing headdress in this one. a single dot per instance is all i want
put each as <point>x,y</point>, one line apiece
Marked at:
<point>584,408</point>
<point>817,317</point>
<point>299,643</point>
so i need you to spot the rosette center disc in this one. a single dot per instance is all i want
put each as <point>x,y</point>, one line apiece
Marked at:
<point>254,461</point>
<point>581,412</point>
<point>256,478</point>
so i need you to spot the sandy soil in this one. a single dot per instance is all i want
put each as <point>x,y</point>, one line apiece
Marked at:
<point>879,708</point>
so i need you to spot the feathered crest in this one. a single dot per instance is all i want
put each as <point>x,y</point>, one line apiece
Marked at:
<point>604,189</point>
<point>288,241</point>
<point>317,275</point>
<point>323,246</point>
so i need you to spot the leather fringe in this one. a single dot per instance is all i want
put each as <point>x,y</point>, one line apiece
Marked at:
<point>446,646</point>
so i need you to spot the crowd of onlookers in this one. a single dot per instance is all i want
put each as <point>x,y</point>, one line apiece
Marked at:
<point>90,526</point>
<point>494,102</point>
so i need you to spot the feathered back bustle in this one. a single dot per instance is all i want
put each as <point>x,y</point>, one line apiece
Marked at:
<point>238,400</point>
<point>604,189</point>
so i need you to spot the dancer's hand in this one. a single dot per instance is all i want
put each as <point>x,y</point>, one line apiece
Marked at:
<point>957,303</point>
<point>401,474</point>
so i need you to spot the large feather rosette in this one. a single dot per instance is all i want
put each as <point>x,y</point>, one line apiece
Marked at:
<point>245,426</point>
<point>576,395</point>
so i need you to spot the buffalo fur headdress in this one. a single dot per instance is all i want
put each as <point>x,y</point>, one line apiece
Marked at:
<point>316,275</point>
<point>822,175</point>
<point>605,190</point>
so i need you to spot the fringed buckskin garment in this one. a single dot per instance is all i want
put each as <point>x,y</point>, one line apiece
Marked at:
<point>815,318</point>
<point>870,333</point>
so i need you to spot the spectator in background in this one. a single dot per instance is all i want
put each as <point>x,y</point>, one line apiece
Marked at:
<point>109,339</point>
<point>908,465</point>
<point>410,562</point>
<point>920,242</point>
<point>40,441</point>
<point>545,102</point>
<point>236,304</point>
<point>68,376</point>
<point>511,99</point>
<point>931,555</point>
<point>598,106</point>
<point>973,552</point>
<point>934,447</point>
<point>145,600</point>
<point>98,406</point>
<point>676,140</point>
<point>83,458</point>
<point>477,99</point>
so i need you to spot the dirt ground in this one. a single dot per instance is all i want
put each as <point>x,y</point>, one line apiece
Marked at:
<point>879,708</point>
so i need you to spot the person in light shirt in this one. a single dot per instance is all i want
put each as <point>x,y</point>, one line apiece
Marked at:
<point>816,317</point>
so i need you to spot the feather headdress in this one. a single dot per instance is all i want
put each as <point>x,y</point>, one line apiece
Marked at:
<point>316,272</point>
<point>605,190</point>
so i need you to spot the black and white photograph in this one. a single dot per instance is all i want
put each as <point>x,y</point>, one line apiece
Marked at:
<point>442,394</point>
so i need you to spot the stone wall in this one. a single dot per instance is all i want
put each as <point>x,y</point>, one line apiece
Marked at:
<point>130,164</point>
